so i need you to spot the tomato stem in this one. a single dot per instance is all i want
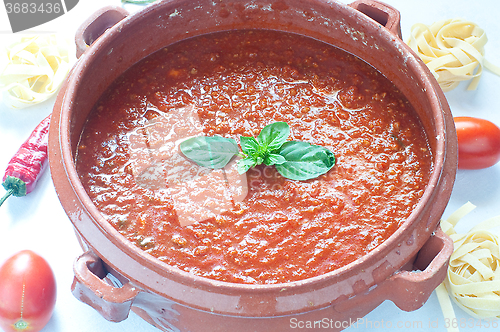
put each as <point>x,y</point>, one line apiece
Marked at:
<point>21,325</point>
<point>7,195</point>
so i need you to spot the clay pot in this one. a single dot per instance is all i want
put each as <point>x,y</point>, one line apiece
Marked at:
<point>114,276</point>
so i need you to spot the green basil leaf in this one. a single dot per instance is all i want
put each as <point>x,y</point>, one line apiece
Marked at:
<point>273,136</point>
<point>245,164</point>
<point>249,145</point>
<point>304,161</point>
<point>274,159</point>
<point>212,152</point>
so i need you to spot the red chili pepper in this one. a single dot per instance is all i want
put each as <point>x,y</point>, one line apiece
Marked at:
<point>29,161</point>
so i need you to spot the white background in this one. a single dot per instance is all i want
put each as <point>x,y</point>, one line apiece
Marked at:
<point>38,222</point>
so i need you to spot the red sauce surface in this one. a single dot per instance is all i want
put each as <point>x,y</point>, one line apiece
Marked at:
<point>232,84</point>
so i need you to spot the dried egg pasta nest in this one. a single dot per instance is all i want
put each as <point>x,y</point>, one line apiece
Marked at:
<point>453,50</point>
<point>32,70</point>
<point>473,279</point>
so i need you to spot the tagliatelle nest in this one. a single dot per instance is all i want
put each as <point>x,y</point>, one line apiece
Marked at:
<point>473,279</point>
<point>453,50</point>
<point>32,70</point>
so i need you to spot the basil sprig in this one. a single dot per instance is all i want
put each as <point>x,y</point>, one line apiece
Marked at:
<point>295,160</point>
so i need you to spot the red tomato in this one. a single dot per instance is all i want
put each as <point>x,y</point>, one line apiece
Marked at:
<point>27,292</point>
<point>478,143</point>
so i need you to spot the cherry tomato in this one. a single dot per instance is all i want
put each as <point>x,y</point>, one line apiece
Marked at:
<point>478,143</point>
<point>27,292</point>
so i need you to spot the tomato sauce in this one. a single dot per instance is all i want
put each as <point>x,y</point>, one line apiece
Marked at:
<point>274,230</point>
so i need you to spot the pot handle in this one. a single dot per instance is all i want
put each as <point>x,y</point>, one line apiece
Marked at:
<point>88,286</point>
<point>409,290</point>
<point>96,25</point>
<point>382,13</point>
